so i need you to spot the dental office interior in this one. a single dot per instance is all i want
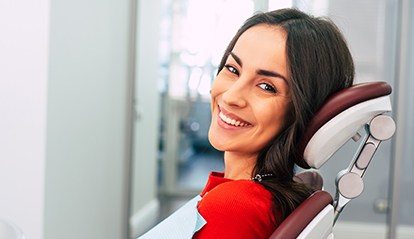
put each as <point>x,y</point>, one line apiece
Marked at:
<point>104,112</point>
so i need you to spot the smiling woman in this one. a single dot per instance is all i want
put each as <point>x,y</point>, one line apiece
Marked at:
<point>275,74</point>
<point>242,92</point>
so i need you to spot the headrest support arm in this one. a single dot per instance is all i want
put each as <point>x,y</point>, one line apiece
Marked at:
<point>337,103</point>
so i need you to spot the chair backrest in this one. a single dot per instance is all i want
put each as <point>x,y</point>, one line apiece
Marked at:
<point>299,219</point>
<point>339,119</point>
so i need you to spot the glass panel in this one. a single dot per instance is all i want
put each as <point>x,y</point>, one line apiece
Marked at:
<point>405,227</point>
<point>367,26</point>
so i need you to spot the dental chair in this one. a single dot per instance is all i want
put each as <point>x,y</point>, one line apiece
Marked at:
<point>343,115</point>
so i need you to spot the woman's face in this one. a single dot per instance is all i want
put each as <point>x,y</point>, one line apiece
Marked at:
<point>250,95</point>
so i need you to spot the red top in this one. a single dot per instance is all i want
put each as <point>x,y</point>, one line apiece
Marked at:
<point>235,209</point>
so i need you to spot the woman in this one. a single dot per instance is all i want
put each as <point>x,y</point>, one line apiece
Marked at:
<point>276,72</point>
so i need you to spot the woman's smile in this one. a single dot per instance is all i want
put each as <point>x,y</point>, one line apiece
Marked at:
<point>228,120</point>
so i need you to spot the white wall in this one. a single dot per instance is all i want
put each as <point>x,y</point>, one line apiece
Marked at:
<point>24,37</point>
<point>145,204</point>
<point>88,108</point>
<point>64,117</point>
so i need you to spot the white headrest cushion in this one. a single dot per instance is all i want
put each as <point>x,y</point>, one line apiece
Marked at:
<point>337,131</point>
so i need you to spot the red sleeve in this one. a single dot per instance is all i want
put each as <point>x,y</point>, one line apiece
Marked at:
<point>238,209</point>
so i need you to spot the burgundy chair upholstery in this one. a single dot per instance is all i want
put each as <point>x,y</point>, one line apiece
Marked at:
<point>294,224</point>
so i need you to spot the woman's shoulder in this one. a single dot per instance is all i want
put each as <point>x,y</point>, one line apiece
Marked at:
<point>240,197</point>
<point>246,189</point>
<point>238,207</point>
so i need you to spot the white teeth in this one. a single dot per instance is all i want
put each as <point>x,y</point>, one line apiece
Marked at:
<point>231,121</point>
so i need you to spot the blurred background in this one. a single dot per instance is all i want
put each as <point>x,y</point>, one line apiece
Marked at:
<point>104,111</point>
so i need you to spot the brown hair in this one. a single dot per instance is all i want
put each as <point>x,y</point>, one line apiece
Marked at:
<point>319,64</point>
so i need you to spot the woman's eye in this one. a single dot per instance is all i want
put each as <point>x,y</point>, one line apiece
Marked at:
<point>267,87</point>
<point>232,69</point>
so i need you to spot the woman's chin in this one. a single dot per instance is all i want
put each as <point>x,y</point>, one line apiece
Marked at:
<point>215,141</point>
<point>222,142</point>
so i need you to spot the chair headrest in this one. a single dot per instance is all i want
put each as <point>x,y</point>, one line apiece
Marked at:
<point>336,104</point>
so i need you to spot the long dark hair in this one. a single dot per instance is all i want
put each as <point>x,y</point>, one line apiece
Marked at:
<point>319,64</point>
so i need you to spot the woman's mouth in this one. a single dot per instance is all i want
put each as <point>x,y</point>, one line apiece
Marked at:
<point>227,119</point>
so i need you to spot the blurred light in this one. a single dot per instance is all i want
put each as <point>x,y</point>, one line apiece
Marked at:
<point>195,126</point>
<point>278,4</point>
<point>200,32</point>
<point>195,77</point>
<point>178,79</point>
<point>227,24</point>
<point>205,85</point>
<point>314,7</point>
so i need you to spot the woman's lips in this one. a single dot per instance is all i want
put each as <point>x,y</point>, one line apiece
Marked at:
<point>229,120</point>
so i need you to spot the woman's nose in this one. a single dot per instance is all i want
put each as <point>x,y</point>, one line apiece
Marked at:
<point>235,96</point>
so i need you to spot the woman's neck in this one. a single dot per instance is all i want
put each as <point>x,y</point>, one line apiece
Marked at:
<point>238,165</point>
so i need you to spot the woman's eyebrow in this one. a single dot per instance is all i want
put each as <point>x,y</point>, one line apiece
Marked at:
<point>271,74</point>
<point>260,71</point>
<point>236,58</point>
